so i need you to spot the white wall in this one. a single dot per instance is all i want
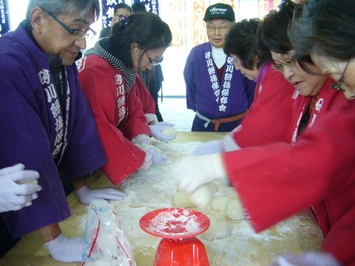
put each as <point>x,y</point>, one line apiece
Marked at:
<point>17,11</point>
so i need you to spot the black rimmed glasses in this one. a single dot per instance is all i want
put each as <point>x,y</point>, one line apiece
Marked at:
<point>221,29</point>
<point>337,85</point>
<point>289,63</point>
<point>78,34</point>
<point>156,62</point>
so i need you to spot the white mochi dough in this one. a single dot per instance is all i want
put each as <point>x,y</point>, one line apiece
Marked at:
<point>220,203</point>
<point>182,200</point>
<point>202,197</point>
<point>146,148</point>
<point>169,131</point>
<point>234,209</point>
<point>219,229</point>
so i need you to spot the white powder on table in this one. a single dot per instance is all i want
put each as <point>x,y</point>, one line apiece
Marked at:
<point>150,190</point>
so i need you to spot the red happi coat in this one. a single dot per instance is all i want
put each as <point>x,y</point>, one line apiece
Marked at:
<point>269,117</point>
<point>278,180</point>
<point>118,114</point>
<point>147,100</point>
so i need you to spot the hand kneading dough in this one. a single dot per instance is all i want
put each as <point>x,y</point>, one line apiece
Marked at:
<point>234,209</point>
<point>146,148</point>
<point>202,197</point>
<point>169,131</point>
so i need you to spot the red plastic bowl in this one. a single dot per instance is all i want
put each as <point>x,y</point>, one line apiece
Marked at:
<point>174,223</point>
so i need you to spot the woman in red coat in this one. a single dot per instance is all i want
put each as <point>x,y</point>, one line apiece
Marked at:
<point>109,81</point>
<point>314,171</point>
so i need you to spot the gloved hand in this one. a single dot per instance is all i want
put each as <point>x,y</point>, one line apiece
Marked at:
<point>229,144</point>
<point>141,140</point>
<point>194,171</point>
<point>157,128</point>
<point>208,148</point>
<point>86,195</point>
<point>15,192</point>
<point>66,249</point>
<point>158,157</point>
<point>311,258</point>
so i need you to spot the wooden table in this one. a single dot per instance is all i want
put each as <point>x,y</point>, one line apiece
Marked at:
<point>227,242</point>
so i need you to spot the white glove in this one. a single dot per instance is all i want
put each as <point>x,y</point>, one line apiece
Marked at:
<point>141,140</point>
<point>194,171</point>
<point>15,190</point>
<point>163,123</point>
<point>86,195</point>
<point>157,156</point>
<point>229,144</point>
<point>156,131</point>
<point>66,249</point>
<point>208,148</point>
<point>305,259</point>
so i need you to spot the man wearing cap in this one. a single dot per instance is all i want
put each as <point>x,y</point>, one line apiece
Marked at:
<point>218,93</point>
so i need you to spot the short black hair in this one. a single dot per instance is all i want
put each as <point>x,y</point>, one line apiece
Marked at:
<point>242,41</point>
<point>137,7</point>
<point>122,5</point>
<point>272,31</point>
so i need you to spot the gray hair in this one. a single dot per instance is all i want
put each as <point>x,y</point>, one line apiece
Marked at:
<point>57,7</point>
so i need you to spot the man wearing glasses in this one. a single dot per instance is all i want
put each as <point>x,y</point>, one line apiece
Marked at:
<point>47,123</point>
<point>218,93</point>
<point>120,10</point>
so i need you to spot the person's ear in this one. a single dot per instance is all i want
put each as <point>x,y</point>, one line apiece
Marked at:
<point>134,45</point>
<point>36,19</point>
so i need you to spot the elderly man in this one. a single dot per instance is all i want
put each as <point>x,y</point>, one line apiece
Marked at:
<point>47,124</point>
<point>218,93</point>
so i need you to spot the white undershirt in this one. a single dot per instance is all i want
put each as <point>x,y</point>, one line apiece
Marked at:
<point>219,57</point>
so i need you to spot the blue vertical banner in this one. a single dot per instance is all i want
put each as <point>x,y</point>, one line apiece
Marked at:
<point>150,5</point>
<point>108,10</point>
<point>4,16</point>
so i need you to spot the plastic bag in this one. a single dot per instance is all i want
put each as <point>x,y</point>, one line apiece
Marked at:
<point>104,240</point>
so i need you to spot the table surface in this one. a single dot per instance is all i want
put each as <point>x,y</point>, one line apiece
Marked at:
<point>227,242</point>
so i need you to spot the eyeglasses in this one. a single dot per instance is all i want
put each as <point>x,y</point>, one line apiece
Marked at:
<point>289,63</point>
<point>78,34</point>
<point>156,62</point>
<point>221,29</point>
<point>337,85</point>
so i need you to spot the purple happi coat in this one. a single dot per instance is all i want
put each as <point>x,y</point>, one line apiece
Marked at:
<point>35,132</point>
<point>205,94</point>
